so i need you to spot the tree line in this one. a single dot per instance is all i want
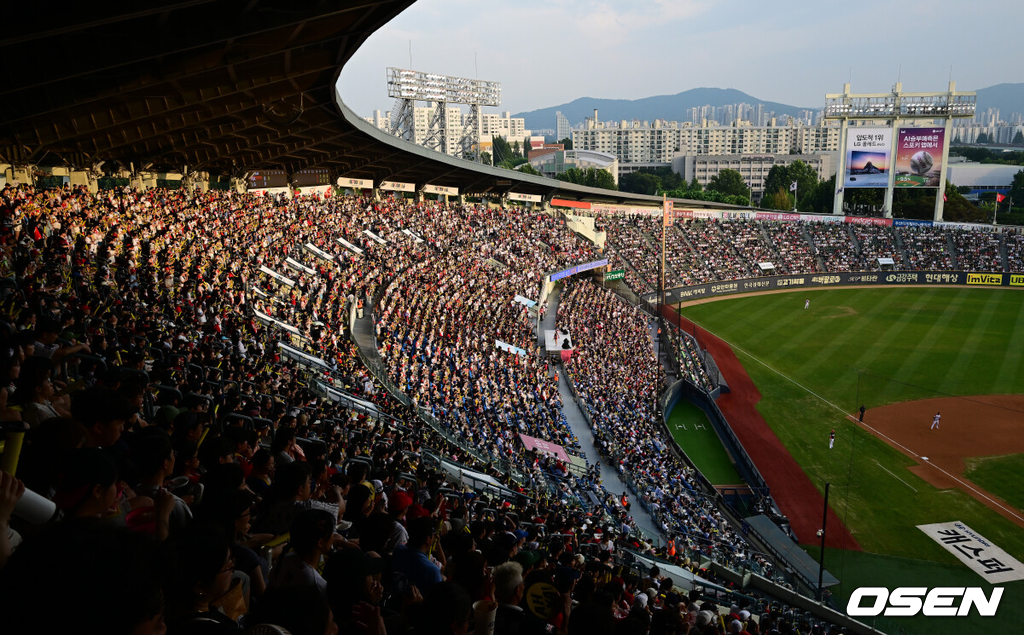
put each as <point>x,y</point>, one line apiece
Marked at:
<point>812,195</point>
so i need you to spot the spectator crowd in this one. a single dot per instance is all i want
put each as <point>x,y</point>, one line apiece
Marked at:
<point>170,356</point>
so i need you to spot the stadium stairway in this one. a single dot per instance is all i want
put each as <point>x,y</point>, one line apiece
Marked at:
<point>579,426</point>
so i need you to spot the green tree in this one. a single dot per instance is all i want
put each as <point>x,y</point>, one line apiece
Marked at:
<point>485,157</point>
<point>820,200</point>
<point>502,150</point>
<point>669,180</point>
<point>1017,188</point>
<point>958,209</point>
<point>695,185</point>
<point>806,184</point>
<point>526,168</point>
<point>640,183</point>
<point>778,199</point>
<point>513,163</point>
<point>982,138</point>
<point>600,178</point>
<point>1018,139</point>
<point>516,151</point>
<point>730,183</point>
<point>572,175</point>
<point>777,179</point>
<point>567,142</point>
<point>591,177</point>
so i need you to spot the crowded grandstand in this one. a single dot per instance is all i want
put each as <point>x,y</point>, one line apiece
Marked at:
<point>333,409</point>
<point>201,415</point>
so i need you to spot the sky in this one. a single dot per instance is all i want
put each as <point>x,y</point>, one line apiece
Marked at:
<point>549,52</point>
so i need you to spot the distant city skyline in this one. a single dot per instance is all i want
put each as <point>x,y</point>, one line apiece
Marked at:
<point>550,52</point>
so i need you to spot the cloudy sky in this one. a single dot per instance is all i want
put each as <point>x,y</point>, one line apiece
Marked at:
<point>548,52</point>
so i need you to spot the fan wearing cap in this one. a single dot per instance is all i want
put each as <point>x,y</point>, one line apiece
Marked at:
<point>398,505</point>
<point>312,532</point>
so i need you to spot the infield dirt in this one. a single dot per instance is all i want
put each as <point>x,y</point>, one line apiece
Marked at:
<point>990,425</point>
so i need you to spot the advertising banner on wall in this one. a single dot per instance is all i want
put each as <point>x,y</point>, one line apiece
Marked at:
<point>970,548</point>
<point>919,157</point>
<point>868,152</point>
<point>868,278</point>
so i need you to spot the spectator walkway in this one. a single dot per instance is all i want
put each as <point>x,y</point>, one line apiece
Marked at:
<point>365,341</point>
<point>578,423</point>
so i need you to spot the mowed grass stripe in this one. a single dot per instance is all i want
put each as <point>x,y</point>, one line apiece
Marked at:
<point>825,317</point>
<point>754,312</point>
<point>1010,378</point>
<point>854,332</point>
<point>878,337</point>
<point>971,345</point>
<point>919,362</point>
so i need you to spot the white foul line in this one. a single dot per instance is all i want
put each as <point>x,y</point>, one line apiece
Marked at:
<point>884,436</point>
<point>895,477</point>
<point>965,484</point>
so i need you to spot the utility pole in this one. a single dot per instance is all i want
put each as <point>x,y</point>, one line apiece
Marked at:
<point>821,557</point>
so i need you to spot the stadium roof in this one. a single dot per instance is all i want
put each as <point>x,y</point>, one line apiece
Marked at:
<point>220,86</point>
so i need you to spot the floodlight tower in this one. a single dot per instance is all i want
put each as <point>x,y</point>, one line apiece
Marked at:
<point>408,87</point>
<point>895,108</point>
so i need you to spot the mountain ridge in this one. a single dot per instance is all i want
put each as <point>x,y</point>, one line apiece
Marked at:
<point>1006,97</point>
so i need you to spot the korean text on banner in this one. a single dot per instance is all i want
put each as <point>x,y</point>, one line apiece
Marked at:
<point>986,559</point>
<point>919,157</point>
<point>868,157</point>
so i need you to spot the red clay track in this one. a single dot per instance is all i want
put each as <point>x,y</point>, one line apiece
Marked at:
<point>791,489</point>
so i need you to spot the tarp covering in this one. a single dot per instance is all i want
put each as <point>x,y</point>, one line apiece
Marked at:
<point>681,577</point>
<point>476,480</point>
<point>533,443</point>
<point>784,548</point>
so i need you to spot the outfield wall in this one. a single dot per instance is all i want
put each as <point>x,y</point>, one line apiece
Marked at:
<point>980,279</point>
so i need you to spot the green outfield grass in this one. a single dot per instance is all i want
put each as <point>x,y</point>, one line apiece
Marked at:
<point>930,342</point>
<point>999,475</point>
<point>702,445</point>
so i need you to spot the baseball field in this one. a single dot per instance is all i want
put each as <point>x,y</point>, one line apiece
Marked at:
<point>905,354</point>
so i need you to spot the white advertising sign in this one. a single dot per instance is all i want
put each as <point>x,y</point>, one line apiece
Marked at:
<point>319,253</point>
<point>375,237</point>
<point>411,234</point>
<point>356,183</point>
<point>347,245</point>
<point>276,276</point>
<point>298,266</point>
<point>396,186</point>
<point>441,189</point>
<point>987,560</point>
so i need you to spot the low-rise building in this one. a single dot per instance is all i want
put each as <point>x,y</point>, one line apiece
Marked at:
<point>753,168</point>
<point>551,162</point>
